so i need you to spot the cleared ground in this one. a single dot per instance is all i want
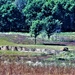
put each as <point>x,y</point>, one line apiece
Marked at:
<point>24,39</point>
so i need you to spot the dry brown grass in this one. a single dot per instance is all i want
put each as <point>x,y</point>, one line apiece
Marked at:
<point>23,69</point>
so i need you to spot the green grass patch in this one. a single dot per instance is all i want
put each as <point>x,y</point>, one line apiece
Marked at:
<point>5,42</point>
<point>52,47</point>
<point>67,33</point>
<point>19,53</point>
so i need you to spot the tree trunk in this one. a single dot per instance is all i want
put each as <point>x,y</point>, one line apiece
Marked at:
<point>48,36</point>
<point>35,40</point>
<point>72,21</point>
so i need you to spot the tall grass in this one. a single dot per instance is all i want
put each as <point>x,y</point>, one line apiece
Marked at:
<point>23,69</point>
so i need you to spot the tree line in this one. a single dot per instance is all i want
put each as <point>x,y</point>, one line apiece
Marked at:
<point>36,16</point>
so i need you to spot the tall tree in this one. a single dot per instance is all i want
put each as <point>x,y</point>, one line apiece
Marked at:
<point>32,11</point>
<point>52,25</point>
<point>11,18</point>
<point>36,28</point>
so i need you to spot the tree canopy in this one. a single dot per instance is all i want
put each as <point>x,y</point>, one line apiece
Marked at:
<point>31,15</point>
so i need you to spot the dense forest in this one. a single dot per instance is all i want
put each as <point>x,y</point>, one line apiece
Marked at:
<point>36,16</point>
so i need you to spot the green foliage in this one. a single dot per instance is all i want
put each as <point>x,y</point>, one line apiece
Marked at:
<point>65,9</point>
<point>43,54</point>
<point>66,55</point>
<point>20,15</point>
<point>2,2</point>
<point>11,18</point>
<point>51,25</point>
<point>36,28</point>
<point>32,11</point>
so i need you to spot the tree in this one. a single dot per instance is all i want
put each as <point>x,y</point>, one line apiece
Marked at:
<point>11,18</point>
<point>66,10</point>
<point>2,2</point>
<point>19,17</point>
<point>36,28</point>
<point>32,11</point>
<point>51,25</point>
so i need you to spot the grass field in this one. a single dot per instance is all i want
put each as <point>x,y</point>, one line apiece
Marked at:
<point>67,33</point>
<point>19,53</point>
<point>65,37</point>
<point>10,40</point>
<point>52,47</point>
<point>24,39</point>
<point>4,41</point>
